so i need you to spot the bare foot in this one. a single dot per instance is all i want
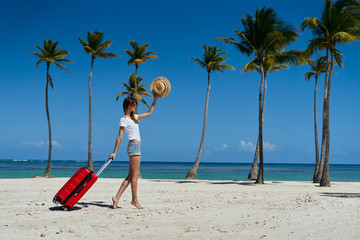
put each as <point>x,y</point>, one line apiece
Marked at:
<point>137,204</point>
<point>115,202</point>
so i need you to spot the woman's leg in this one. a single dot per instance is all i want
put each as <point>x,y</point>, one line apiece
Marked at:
<point>135,173</point>
<point>122,188</point>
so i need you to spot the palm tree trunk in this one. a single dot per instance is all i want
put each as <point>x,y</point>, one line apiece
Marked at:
<point>260,178</point>
<point>316,132</point>
<point>254,168</point>
<point>193,171</point>
<point>325,179</point>
<point>48,168</point>
<point>136,70</point>
<point>323,138</point>
<point>90,164</point>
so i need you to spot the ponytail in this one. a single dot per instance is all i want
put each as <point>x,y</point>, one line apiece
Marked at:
<point>127,102</point>
<point>132,116</point>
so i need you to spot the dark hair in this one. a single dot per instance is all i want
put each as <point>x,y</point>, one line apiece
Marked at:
<point>129,101</point>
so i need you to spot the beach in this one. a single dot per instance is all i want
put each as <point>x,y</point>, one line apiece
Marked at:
<point>177,209</point>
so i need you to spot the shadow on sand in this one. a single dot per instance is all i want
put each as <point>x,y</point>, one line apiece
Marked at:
<point>236,182</point>
<point>174,181</point>
<point>83,205</point>
<point>341,195</point>
<point>96,203</point>
<point>62,208</point>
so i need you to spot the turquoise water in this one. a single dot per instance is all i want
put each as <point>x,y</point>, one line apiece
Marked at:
<point>178,170</point>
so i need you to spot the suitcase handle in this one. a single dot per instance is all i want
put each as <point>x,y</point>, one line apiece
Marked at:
<point>103,167</point>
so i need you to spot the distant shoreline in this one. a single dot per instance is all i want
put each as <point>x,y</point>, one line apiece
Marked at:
<point>185,162</point>
<point>10,169</point>
<point>168,169</point>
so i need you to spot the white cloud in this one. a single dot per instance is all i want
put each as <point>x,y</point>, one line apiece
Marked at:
<point>250,147</point>
<point>41,144</point>
<point>35,144</point>
<point>223,147</point>
<point>216,149</point>
<point>269,146</point>
<point>247,146</point>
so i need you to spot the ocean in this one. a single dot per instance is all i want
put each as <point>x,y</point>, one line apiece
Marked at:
<point>177,170</point>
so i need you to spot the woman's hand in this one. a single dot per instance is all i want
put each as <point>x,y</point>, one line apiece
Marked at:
<point>155,96</point>
<point>112,156</point>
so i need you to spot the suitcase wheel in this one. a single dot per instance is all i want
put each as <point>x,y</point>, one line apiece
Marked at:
<point>66,208</point>
<point>57,200</point>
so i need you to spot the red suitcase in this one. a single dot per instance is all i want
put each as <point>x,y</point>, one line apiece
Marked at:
<point>77,186</point>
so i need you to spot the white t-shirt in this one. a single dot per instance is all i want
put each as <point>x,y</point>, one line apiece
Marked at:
<point>131,128</point>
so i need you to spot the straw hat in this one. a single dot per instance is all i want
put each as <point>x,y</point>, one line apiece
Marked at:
<point>160,86</point>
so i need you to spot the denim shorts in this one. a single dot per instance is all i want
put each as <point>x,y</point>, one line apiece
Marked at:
<point>134,148</point>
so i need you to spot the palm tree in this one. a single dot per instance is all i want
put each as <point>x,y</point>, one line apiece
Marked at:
<point>264,37</point>
<point>137,56</point>
<point>320,66</point>
<point>338,58</point>
<point>212,61</point>
<point>317,67</point>
<point>339,24</point>
<point>50,54</point>
<point>96,48</point>
<point>130,89</point>
<point>253,174</point>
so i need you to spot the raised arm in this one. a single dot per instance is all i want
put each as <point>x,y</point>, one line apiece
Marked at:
<point>117,143</point>
<point>151,109</point>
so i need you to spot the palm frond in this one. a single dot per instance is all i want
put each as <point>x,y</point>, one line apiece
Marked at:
<point>288,57</point>
<point>198,61</point>
<point>139,55</point>
<point>107,55</point>
<point>36,54</point>
<point>96,46</point>
<point>339,58</point>
<point>121,94</point>
<point>226,66</point>
<point>134,44</point>
<point>344,37</point>
<point>51,54</point>
<point>212,59</point>
<point>43,51</point>
<point>278,67</point>
<point>50,81</point>
<point>339,24</point>
<point>131,53</point>
<point>130,88</point>
<point>62,67</point>
<point>64,60</point>
<point>309,75</point>
<point>38,62</point>
<point>150,57</point>
<point>126,85</point>
<point>104,45</point>
<point>315,45</point>
<point>146,94</point>
<point>143,100</point>
<point>252,66</point>
<point>143,85</point>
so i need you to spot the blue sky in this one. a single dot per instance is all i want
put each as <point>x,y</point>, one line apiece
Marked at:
<point>176,31</point>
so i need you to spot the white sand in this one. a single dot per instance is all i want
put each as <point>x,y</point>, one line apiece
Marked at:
<point>182,210</point>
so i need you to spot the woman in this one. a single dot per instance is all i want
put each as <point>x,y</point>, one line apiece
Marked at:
<point>129,122</point>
